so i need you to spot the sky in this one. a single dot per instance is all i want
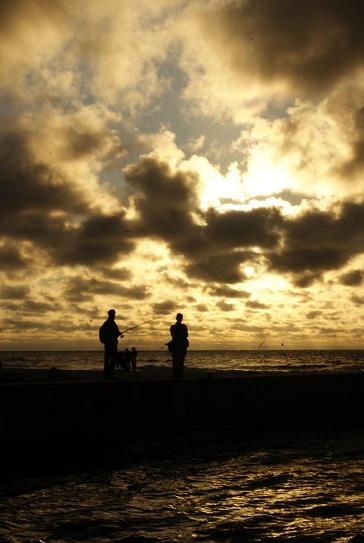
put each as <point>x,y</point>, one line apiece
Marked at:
<point>195,156</point>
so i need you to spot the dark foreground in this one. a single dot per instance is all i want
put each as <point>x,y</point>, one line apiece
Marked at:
<point>49,425</point>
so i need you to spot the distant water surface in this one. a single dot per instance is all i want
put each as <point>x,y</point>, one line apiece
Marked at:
<point>295,489</point>
<point>257,360</point>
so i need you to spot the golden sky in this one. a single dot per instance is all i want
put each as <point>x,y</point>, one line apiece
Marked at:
<point>200,156</point>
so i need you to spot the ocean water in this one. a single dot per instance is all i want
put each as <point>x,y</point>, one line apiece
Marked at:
<point>304,488</point>
<point>256,361</point>
<point>284,488</point>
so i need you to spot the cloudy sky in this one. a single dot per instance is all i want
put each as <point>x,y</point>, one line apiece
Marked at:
<point>197,156</point>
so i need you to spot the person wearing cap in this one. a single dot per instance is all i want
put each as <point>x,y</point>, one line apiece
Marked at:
<point>178,346</point>
<point>109,333</point>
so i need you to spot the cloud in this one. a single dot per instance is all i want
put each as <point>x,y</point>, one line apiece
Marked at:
<point>223,306</point>
<point>22,174</point>
<point>79,289</point>
<point>357,300</point>
<point>313,314</point>
<point>163,308</point>
<point>258,227</point>
<point>228,292</point>
<point>33,306</point>
<point>24,324</point>
<point>305,46</point>
<point>120,274</point>
<point>318,241</point>
<point>352,278</point>
<point>254,304</point>
<point>165,199</point>
<point>119,46</point>
<point>220,268</point>
<point>14,292</point>
<point>212,243</point>
<point>56,212</point>
<point>98,239</point>
<point>12,260</point>
<point>32,32</point>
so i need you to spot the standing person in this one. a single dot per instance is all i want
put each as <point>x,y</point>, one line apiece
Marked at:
<point>178,346</point>
<point>109,333</point>
<point>133,358</point>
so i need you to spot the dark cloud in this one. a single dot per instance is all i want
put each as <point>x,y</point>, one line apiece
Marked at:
<point>220,268</point>
<point>309,45</point>
<point>313,314</point>
<point>28,186</point>
<point>254,304</point>
<point>353,278</point>
<point>24,324</point>
<point>178,282</point>
<point>79,289</point>
<point>228,292</point>
<point>114,273</point>
<point>319,241</point>
<point>166,307</point>
<point>40,207</point>
<point>32,306</point>
<point>81,141</point>
<point>357,300</point>
<point>302,259</point>
<point>11,259</point>
<point>202,308</point>
<point>223,306</point>
<point>14,292</point>
<point>99,239</point>
<point>240,229</point>
<point>166,199</point>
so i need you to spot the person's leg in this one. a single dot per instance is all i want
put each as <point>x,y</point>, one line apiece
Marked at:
<point>174,365</point>
<point>106,361</point>
<point>180,366</point>
<point>178,363</point>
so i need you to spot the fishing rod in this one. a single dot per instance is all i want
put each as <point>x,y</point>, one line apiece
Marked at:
<point>141,324</point>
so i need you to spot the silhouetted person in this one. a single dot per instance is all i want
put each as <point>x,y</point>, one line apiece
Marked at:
<point>133,359</point>
<point>127,359</point>
<point>119,361</point>
<point>109,333</point>
<point>178,346</point>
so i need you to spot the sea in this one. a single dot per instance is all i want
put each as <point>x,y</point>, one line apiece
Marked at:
<point>244,360</point>
<point>297,487</point>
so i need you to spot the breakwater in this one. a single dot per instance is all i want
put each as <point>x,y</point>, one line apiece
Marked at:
<point>49,424</point>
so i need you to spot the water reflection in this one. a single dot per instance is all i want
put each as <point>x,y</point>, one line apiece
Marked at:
<point>309,489</point>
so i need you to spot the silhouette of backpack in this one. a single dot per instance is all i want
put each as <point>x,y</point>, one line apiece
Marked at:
<point>102,334</point>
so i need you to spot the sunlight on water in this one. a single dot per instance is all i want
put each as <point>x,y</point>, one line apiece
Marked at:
<point>282,361</point>
<point>309,489</point>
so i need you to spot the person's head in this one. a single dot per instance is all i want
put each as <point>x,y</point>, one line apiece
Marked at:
<point>179,317</point>
<point>111,314</point>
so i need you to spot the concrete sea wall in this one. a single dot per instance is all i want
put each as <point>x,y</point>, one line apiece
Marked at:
<point>56,422</point>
